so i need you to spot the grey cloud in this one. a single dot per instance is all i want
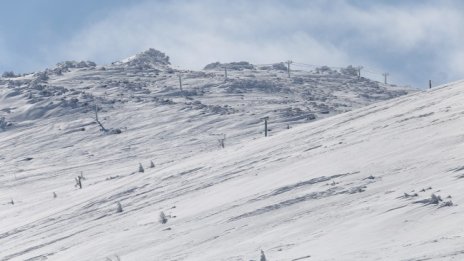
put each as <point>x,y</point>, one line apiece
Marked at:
<point>410,41</point>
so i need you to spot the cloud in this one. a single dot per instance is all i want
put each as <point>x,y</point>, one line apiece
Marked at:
<point>401,28</point>
<point>196,34</point>
<point>456,64</point>
<point>411,41</point>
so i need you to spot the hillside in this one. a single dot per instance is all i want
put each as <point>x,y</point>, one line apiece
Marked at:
<point>249,92</point>
<point>353,186</point>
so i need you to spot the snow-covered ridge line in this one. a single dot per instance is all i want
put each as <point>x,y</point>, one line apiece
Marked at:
<point>75,86</point>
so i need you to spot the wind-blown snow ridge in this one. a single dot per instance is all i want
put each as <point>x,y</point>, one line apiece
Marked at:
<point>354,186</point>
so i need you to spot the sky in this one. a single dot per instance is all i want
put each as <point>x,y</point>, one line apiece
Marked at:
<point>414,41</point>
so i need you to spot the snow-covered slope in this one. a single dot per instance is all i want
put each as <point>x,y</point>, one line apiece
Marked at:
<point>355,186</point>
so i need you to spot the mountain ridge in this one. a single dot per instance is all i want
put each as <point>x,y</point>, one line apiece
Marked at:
<point>148,75</point>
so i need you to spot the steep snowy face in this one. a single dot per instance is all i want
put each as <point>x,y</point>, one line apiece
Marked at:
<point>191,176</point>
<point>382,182</point>
<point>148,59</point>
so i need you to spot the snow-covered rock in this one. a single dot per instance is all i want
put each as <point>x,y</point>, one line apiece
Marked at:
<point>148,59</point>
<point>237,66</point>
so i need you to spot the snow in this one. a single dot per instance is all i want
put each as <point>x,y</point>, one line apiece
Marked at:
<point>325,189</point>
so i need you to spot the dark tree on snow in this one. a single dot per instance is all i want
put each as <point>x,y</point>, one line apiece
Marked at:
<point>263,257</point>
<point>119,208</point>
<point>162,218</point>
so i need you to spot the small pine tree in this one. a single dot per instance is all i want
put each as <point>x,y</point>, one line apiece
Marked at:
<point>221,143</point>
<point>162,218</point>
<point>78,182</point>
<point>119,208</point>
<point>152,165</point>
<point>263,257</point>
<point>434,199</point>
<point>141,168</point>
<point>12,202</point>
